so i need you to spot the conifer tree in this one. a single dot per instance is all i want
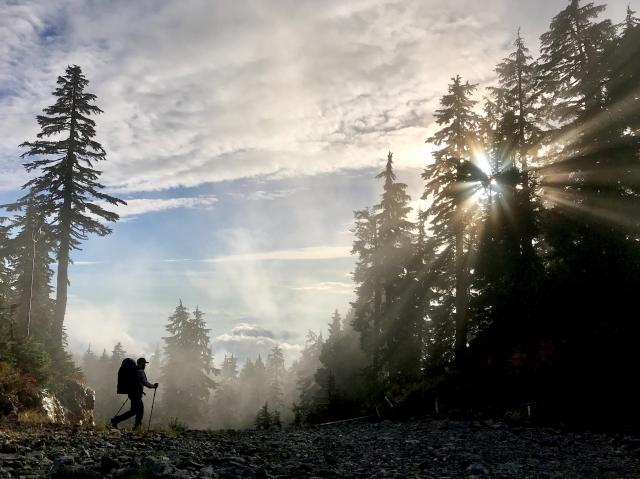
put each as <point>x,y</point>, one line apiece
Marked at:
<point>447,187</point>
<point>64,156</point>
<point>275,363</point>
<point>570,52</point>
<point>31,262</point>
<point>630,22</point>
<point>118,353</point>
<point>400,337</point>
<point>187,365</point>
<point>306,375</point>
<point>263,418</point>
<point>276,372</point>
<point>517,76</point>
<point>335,325</point>
<point>6,273</point>
<point>229,368</point>
<point>367,275</point>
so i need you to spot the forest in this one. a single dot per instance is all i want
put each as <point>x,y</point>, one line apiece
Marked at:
<point>513,294</point>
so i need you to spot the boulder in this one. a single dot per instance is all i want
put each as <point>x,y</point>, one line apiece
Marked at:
<point>78,401</point>
<point>51,408</point>
<point>72,405</point>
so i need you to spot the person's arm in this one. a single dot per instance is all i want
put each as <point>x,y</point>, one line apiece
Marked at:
<point>143,379</point>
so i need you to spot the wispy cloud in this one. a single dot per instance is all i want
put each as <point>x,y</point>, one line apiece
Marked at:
<point>136,207</point>
<point>310,253</point>
<point>250,340</point>
<point>299,254</point>
<point>262,195</point>
<point>346,288</point>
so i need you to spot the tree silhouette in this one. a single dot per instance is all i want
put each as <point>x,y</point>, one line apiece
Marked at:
<point>68,183</point>
<point>445,184</point>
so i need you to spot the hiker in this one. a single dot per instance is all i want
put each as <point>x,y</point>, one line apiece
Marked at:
<point>135,393</point>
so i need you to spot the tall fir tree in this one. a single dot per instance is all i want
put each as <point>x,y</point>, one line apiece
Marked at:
<point>229,368</point>
<point>31,261</point>
<point>570,53</point>
<point>400,337</point>
<point>276,371</point>
<point>448,188</point>
<point>187,366</point>
<point>68,182</point>
<point>367,276</point>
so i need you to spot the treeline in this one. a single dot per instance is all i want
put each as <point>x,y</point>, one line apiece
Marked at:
<point>517,284</point>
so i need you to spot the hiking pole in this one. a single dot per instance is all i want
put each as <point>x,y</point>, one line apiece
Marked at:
<point>125,402</point>
<point>152,403</point>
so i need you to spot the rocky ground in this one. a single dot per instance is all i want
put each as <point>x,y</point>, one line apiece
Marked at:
<point>425,449</point>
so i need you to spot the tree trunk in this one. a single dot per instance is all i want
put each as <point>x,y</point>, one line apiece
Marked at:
<point>62,282</point>
<point>62,279</point>
<point>461,294</point>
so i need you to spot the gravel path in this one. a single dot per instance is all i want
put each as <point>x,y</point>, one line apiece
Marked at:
<point>425,449</point>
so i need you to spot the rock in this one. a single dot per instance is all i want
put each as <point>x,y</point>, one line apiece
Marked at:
<point>74,471</point>
<point>477,468</point>
<point>78,401</point>
<point>51,408</point>
<point>107,464</point>
<point>384,449</point>
<point>60,461</point>
<point>8,447</point>
<point>7,405</point>
<point>157,465</point>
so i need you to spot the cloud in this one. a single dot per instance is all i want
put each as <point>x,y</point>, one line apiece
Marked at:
<point>211,91</point>
<point>247,341</point>
<point>298,254</point>
<point>335,286</point>
<point>136,207</point>
<point>262,195</point>
<point>252,330</point>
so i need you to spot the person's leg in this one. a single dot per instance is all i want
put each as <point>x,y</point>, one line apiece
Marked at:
<point>139,405</point>
<point>122,417</point>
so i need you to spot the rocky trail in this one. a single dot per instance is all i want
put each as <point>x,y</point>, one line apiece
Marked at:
<point>425,449</point>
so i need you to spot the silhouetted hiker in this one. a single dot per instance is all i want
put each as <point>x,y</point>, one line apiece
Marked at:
<point>131,379</point>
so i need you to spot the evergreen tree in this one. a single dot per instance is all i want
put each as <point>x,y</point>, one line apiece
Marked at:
<point>518,96</point>
<point>263,418</point>
<point>118,353</point>
<point>275,363</point>
<point>400,337</point>
<point>630,22</point>
<point>335,326</point>
<point>31,262</point>
<point>507,269</point>
<point>276,372</point>
<point>229,368</point>
<point>447,185</point>
<point>570,52</point>
<point>187,365</point>
<point>367,275</point>
<point>6,280</point>
<point>306,375</point>
<point>68,181</point>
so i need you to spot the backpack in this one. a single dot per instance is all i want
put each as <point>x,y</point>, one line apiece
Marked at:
<point>128,377</point>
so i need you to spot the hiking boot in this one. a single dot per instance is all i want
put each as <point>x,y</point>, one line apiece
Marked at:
<point>114,423</point>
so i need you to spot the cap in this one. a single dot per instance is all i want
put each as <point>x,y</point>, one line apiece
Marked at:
<point>142,360</point>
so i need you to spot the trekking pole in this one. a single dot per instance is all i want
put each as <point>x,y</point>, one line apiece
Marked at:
<point>152,403</point>
<point>125,402</point>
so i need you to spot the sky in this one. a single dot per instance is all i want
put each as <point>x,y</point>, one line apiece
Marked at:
<point>243,135</point>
